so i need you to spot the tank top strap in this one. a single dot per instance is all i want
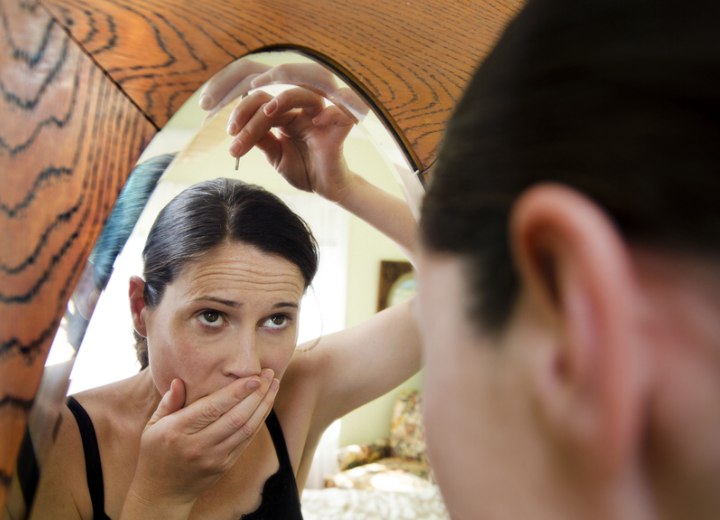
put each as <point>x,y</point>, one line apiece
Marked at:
<point>280,497</point>
<point>278,438</point>
<point>93,468</point>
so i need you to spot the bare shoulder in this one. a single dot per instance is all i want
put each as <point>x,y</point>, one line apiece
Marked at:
<point>308,360</point>
<point>97,401</point>
<point>297,402</point>
<point>298,388</point>
<point>62,491</point>
<point>305,376</point>
<point>121,408</point>
<point>113,417</point>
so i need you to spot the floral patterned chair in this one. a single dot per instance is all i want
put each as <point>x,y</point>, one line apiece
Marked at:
<point>398,463</point>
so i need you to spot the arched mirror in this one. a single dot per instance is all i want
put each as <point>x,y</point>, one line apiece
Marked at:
<point>360,272</point>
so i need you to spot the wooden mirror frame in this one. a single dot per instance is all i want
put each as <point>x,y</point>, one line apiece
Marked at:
<point>86,84</point>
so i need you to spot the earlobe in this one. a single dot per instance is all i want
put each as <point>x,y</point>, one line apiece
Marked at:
<point>576,269</point>
<point>136,293</point>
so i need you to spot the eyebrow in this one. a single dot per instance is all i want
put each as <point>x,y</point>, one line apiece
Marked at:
<point>229,303</point>
<point>234,304</point>
<point>286,304</point>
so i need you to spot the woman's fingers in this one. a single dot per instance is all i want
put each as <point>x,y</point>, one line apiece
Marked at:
<point>309,75</point>
<point>271,147</point>
<point>236,437</point>
<point>253,118</point>
<point>239,90</point>
<point>242,421</point>
<point>274,109</point>
<point>256,129</point>
<point>204,412</point>
<point>245,110</point>
<point>349,101</point>
<point>334,116</point>
<point>171,402</point>
<point>234,77</point>
<point>295,98</point>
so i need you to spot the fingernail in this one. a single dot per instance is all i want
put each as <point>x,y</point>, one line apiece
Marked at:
<point>235,149</point>
<point>206,102</point>
<point>267,373</point>
<point>232,128</point>
<point>253,384</point>
<point>270,107</point>
<point>274,385</point>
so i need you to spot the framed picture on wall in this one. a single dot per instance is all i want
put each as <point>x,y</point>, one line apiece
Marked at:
<point>397,283</point>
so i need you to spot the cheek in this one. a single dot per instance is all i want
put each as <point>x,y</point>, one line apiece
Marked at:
<point>165,362</point>
<point>170,353</point>
<point>277,357</point>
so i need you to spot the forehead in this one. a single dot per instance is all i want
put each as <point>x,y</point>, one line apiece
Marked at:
<point>238,266</point>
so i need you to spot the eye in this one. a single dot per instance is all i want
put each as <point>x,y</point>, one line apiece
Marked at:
<point>277,321</point>
<point>211,318</point>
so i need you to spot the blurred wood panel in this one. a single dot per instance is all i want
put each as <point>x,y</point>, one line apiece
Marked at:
<point>412,57</point>
<point>68,138</point>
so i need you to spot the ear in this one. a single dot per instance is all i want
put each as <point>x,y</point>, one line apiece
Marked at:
<point>136,293</point>
<point>576,269</point>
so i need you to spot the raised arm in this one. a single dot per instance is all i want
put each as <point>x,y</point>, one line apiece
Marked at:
<point>309,150</point>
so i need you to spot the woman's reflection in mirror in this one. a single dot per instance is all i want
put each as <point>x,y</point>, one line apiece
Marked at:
<point>568,280</point>
<point>224,420</point>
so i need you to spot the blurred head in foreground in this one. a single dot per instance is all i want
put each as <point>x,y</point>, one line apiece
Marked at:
<point>569,280</point>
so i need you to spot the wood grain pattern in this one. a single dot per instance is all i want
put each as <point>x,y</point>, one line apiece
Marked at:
<point>68,139</point>
<point>411,58</point>
<point>84,84</point>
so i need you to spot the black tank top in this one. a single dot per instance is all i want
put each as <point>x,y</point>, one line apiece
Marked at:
<point>280,498</point>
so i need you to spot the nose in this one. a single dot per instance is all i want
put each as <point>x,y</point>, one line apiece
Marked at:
<point>242,358</point>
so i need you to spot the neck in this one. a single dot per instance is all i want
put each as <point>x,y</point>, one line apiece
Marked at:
<point>139,395</point>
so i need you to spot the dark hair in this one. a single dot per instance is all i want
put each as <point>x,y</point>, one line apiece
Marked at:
<point>128,206</point>
<point>618,99</point>
<point>207,214</point>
